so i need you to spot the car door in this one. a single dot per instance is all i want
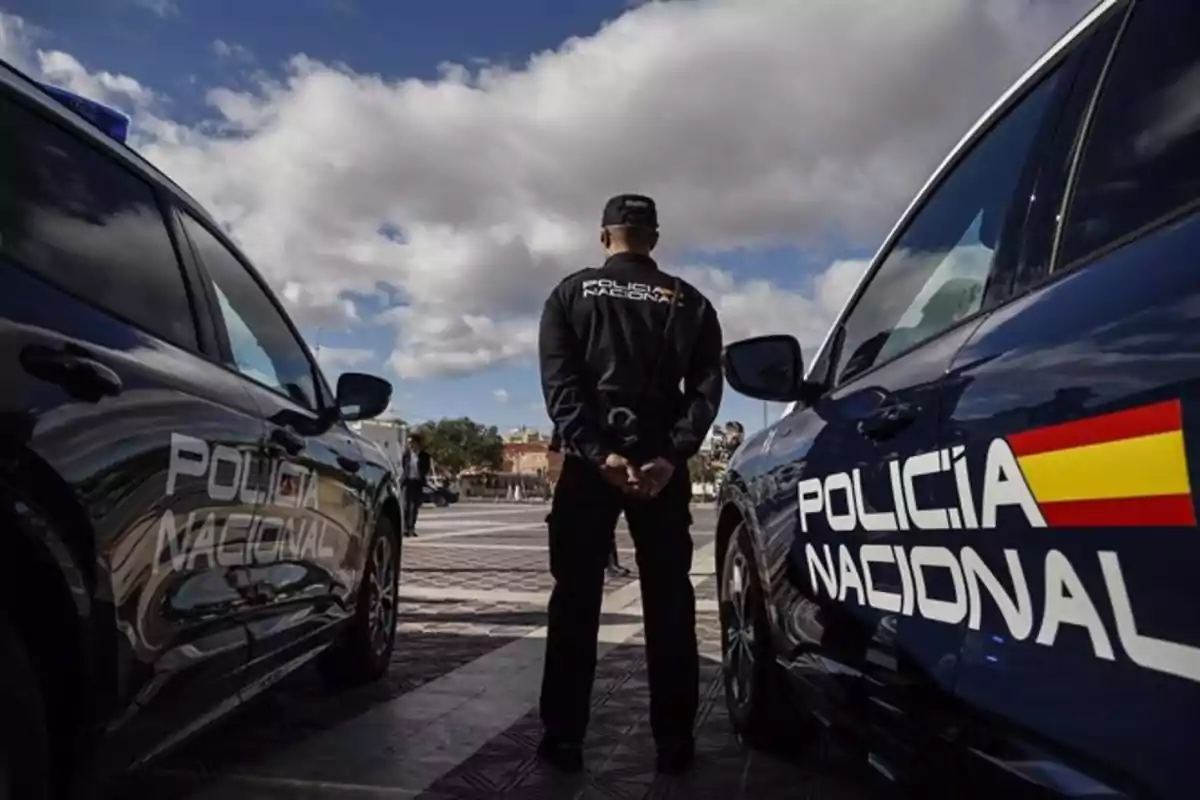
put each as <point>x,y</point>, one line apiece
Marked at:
<point>308,547</point>
<point>130,432</point>
<point>878,532</point>
<point>1081,399</point>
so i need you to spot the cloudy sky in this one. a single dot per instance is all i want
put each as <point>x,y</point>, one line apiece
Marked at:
<point>415,177</point>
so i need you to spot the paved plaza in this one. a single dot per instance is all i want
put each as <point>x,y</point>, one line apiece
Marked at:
<point>456,716</point>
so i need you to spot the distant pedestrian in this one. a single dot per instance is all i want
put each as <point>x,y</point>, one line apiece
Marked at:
<point>735,433</point>
<point>631,374</point>
<point>415,468</point>
<point>615,570</point>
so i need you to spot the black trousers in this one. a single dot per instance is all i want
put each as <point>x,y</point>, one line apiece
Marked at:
<point>413,493</point>
<point>582,523</point>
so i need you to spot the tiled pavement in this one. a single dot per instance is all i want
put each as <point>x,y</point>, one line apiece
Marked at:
<point>475,595</point>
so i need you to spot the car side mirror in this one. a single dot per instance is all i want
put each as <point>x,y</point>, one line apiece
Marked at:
<point>361,396</point>
<point>767,368</point>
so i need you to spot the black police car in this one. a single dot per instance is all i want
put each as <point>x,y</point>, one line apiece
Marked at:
<point>970,545</point>
<point>185,517</point>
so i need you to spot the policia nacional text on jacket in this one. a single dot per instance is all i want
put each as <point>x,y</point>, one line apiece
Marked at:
<point>630,365</point>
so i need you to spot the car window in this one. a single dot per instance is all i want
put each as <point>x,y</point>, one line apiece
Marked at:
<point>937,270</point>
<point>75,216</point>
<point>1142,158</point>
<point>262,346</point>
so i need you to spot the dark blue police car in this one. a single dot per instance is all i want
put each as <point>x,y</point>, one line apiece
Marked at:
<point>969,548</point>
<point>185,516</point>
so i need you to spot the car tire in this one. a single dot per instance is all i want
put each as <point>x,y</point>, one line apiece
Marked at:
<point>757,697</point>
<point>365,650</point>
<point>440,501</point>
<point>24,743</point>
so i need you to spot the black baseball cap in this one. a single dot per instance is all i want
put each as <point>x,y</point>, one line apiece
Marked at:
<point>630,209</point>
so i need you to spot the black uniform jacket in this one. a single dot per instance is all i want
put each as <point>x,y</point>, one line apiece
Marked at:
<point>615,376</point>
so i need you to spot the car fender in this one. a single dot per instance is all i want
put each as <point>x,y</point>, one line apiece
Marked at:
<point>385,499</point>
<point>45,526</point>
<point>734,498</point>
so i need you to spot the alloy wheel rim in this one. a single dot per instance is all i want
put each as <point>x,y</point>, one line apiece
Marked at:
<point>739,631</point>
<point>382,600</point>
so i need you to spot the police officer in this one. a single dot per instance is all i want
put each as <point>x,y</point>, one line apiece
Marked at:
<point>630,365</point>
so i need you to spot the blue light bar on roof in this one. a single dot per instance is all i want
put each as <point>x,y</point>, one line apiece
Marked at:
<point>109,120</point>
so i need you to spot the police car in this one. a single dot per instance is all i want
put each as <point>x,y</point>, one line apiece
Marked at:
<point>186,517</point>
<point>969,547</point>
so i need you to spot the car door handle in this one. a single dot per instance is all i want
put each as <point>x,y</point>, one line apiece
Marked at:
<point>888,420</point>
<point>287,440</point>
<point>72,368</point>
<point>349,464</point>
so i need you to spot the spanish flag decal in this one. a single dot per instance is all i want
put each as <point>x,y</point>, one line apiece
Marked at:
<point>1123,469</point>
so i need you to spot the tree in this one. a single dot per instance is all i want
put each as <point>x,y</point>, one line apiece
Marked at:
<point>455,444</point>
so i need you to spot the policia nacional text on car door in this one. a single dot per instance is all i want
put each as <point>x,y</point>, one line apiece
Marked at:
<point>308,569</point>
<point>972,536</point>
<point>136,476</point>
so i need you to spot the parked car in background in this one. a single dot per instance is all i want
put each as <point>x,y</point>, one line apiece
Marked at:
<point>970,548</point>
<point>440,494</point>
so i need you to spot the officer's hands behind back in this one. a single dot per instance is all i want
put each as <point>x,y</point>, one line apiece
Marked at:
<point>619,471</point>
<point>645,481</point>
<point>655,476</point>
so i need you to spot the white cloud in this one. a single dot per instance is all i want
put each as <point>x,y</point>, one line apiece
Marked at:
<point>231,50</point>
<point>752,307</point>
<point>465,198</point>
<point>500,395</point>
<point>65,70</point>
<point>18,47</point>
<point>442,339</point>
<point>336,360</point>
<point>16,40</point>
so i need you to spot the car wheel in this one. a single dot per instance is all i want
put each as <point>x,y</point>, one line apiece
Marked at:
<point>365,651</point>
<point>756,694</point>
<point>441,501</point>
<point>24,745</point>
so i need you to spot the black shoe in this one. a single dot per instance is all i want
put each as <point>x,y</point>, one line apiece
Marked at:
<point>563,756</point>
<point>675,757</point>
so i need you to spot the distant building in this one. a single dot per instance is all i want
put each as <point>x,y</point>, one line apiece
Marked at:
<point>390,435</point>
<point>532,458</point>
<point>525,436</point>
<point>527,458</point>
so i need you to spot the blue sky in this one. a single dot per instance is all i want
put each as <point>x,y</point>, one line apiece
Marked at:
<point>759,135</point>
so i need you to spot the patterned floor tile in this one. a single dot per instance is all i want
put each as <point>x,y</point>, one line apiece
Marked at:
<point>620,750</point>
<point>436,637</point>
<point>480,579</point>
<point>301,707</point>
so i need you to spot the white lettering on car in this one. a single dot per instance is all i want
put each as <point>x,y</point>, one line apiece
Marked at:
<point>213,537</point>
<point>849,573</point>
<point>1065,601</point>
<point>1002,486</point>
